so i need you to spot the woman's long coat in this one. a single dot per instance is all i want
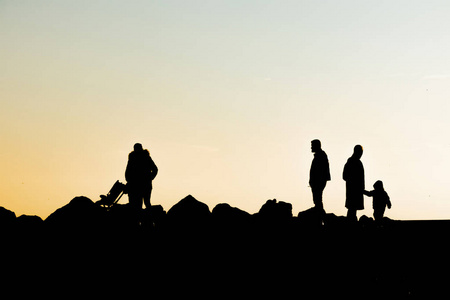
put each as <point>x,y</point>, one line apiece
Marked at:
<point>354,178</point>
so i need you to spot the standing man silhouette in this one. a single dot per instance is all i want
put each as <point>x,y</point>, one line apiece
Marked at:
<point>319,173</point>
<point>354,182</point>
<point>140,172</point>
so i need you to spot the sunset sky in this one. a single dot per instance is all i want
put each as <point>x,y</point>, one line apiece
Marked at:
<point>227,96</point>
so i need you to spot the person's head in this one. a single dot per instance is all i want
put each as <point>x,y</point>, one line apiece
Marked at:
<point>378,185</point>
<point>315,146</point>
<point>138,147</point>
<point>357,151</point>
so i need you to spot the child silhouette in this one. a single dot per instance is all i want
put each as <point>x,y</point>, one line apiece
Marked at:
<point>380,200</point>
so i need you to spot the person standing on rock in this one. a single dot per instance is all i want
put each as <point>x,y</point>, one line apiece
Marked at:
<point>354,180</point>
<point>319,173</point>
<point>140,172</point>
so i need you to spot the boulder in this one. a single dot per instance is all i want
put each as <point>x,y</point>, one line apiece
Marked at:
<point>189,212</point>
<point>334,222</point>
<point>227,213</point>
<point>121,217</point>
<point>232,220</point>
<point>153,217</point>
<point>189,209</point>
<point>80,214</point>
<point>311,217</point>
<point>366,221</point>
<point>29,223</point>
<point>276,210</point>
<point>7,218</point>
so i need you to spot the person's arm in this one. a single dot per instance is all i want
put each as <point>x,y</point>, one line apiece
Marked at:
<point>345,172</point>
<point>367,193</point>
<point>153,168</point>
<point>127,172</point>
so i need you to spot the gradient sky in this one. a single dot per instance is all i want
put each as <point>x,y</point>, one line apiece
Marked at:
<point>227,96</point>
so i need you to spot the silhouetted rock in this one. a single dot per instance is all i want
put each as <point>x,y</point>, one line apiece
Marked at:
<point>311,217</point>
<point>366,221</point>
<point>274,219</point>
<point>225,212</point>
<point>7,218</point>
<point>29,223</point>
<point>387,221</point>
<point>275,210</point>
<point>156,212</point>
<point>230,220</point>
<point>189,209</point>
<point>333,221</point>
<point>153,217</point>
<point>121,218</point>
<point>406,258</point>
<point>80,214</point>
<point>189,214</point>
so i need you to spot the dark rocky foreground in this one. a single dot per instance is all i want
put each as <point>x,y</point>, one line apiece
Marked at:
<point>85,250</point>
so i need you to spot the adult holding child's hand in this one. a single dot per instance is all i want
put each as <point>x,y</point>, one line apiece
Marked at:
<point>354,182</point>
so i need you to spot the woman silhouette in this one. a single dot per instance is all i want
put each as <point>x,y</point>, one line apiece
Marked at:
<point>354,178</point>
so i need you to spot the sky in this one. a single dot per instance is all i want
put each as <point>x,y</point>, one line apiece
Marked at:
<point>227,96</point>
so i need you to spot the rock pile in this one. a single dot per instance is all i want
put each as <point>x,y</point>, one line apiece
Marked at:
<point>194,251</point>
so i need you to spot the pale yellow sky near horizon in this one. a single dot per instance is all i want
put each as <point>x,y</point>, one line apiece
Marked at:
<point>227,96</point>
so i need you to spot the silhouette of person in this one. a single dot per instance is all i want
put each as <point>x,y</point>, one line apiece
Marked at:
<point>354,177</point>
<point>319,173</point>
<point>140,172</point>
<point>380,200</point>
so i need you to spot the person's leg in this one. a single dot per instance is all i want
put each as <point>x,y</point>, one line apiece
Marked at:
<point>135,204</point>
<point>351,215</point>
<point>135,200</point>
<point>378,215</point>
<point>147,196</point>
<point>317,192</point>
<point>317,197</point>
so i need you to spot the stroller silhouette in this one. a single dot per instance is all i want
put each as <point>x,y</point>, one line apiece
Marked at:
<point>113,196</point>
